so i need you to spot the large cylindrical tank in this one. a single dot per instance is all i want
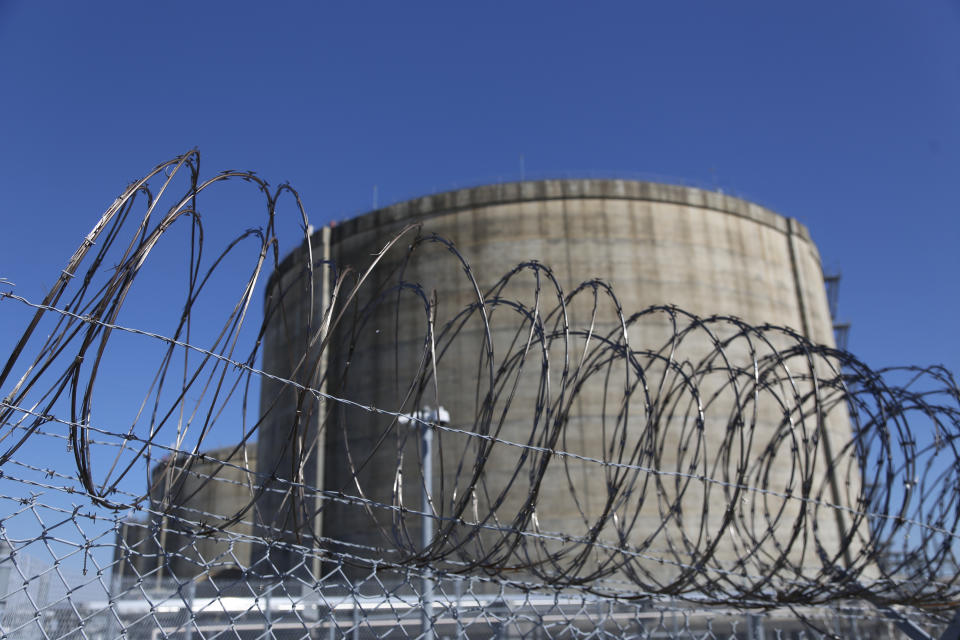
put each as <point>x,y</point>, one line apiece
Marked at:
<point>654,244</point>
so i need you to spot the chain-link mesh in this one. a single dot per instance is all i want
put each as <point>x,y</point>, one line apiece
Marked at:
<point>81,577</point>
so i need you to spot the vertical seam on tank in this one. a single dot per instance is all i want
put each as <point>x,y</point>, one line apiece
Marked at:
<point>583,423</point>
<point>607,255</point>
<point>795,272</point>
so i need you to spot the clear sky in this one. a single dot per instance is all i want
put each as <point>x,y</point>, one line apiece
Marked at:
<point>843,115</point>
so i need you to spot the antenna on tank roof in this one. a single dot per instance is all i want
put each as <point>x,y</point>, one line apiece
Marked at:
<point>716,180</point>
<point>522,168</point>
<point>374,196</point>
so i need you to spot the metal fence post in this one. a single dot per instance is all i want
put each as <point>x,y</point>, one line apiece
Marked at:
<point>754,627</point>
<point>267,620</point>
<point>188,625</point>
<point>426,531</point>
<point>355,633</point>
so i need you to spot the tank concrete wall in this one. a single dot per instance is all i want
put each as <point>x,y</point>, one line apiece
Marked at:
<point>655,244</point>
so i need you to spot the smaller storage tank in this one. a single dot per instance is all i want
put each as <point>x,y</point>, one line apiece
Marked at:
<point>136,553</point>
<point>195,497</point>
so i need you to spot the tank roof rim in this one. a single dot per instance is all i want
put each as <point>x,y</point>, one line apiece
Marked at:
<point>570,189</point>
<point>500,193</point>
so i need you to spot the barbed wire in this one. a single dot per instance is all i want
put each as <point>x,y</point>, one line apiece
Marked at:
<point>685,456</point>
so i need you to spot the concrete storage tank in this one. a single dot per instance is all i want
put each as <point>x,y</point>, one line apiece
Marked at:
<point>705,252</point>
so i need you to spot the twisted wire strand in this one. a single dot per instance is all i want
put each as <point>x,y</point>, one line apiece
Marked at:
<point>732,461</point>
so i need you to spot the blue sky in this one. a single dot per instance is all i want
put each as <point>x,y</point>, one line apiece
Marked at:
<point>843,115</point>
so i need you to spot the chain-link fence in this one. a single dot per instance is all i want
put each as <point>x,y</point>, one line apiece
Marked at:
<point>80,578</point>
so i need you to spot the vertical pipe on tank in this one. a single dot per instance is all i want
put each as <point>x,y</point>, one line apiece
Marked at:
<point>822,433</point>
<point>320,432</point>
<point>426,531</point>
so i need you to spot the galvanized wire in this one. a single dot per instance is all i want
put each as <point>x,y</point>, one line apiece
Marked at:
<point>753,512</point>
